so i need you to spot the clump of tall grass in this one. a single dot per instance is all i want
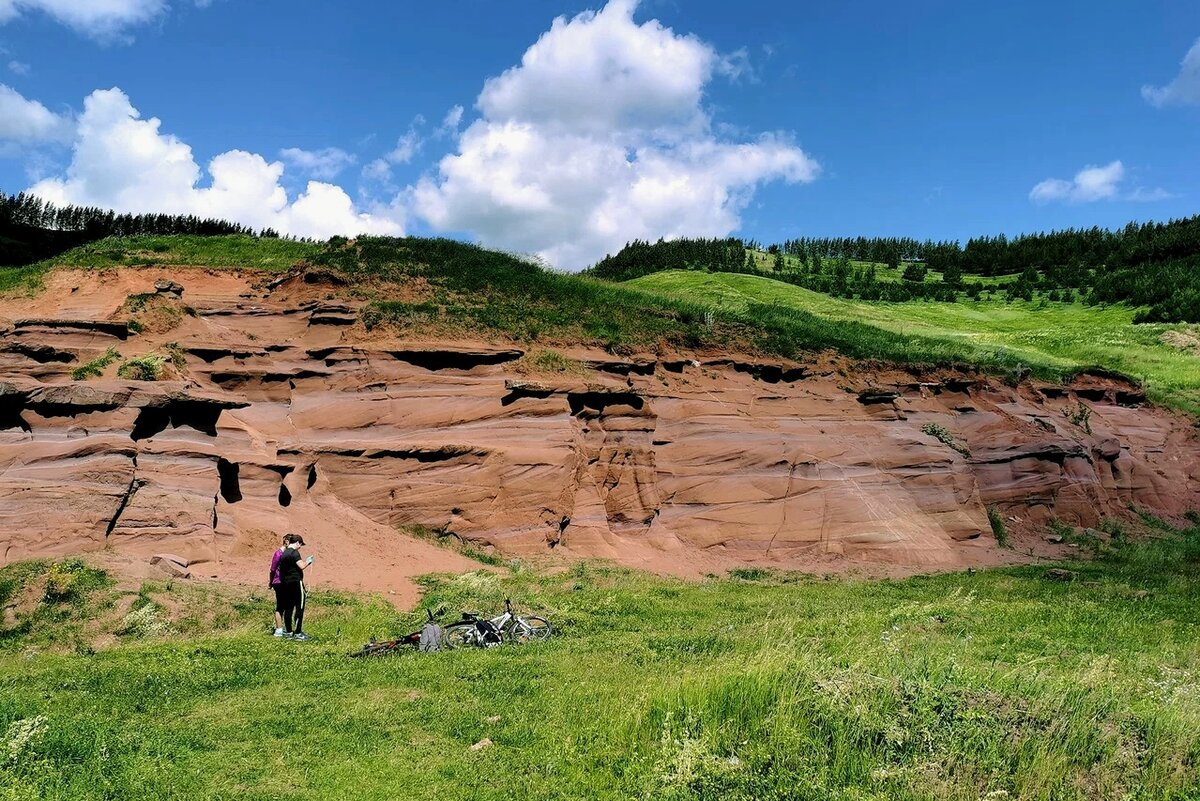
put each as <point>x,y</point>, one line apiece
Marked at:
<point>143,368</point>
<point>999,530</point>
<point>96,367</point>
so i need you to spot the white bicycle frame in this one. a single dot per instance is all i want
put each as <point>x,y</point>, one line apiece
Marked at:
<point>502,623</point>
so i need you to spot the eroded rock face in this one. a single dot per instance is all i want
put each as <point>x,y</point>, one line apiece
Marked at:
<point>290,417</point>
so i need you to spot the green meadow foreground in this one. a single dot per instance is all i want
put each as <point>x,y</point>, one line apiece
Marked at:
<point>1065,336</point>
<point>1000,684</point>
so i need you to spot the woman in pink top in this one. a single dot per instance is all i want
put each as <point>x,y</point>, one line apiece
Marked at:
<point>274,583</point>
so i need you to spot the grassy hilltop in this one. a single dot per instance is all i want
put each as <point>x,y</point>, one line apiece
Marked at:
<point>1063,336</point>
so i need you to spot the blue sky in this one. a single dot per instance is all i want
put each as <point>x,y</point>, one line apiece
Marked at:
<point>929,118</point>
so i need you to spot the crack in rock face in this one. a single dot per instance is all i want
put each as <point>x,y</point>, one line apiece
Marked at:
<point>673,462</point>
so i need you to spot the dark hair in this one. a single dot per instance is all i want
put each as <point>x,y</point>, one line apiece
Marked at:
<point>293,538</point>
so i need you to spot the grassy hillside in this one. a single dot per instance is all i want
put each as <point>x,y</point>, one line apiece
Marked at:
<point>1063,336</point>
<point>1000,684</point>
<point>468,290</point>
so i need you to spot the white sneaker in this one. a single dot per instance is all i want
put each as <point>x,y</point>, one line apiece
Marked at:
<point>278,633</point>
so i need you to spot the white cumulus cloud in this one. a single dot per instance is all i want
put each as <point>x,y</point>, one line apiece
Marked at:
<point>124,162</point>
<point>1094,183</point>
<point>597,137</point>
<point>99,19</point>
<point>1185,89</point>
<point>324,163</point>
<point>1089,184</point>
<point>28,121</point>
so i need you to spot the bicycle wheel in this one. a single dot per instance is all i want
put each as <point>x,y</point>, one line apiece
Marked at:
<point>459,635</point>
<point>374,649</point>
<point>530,629</point>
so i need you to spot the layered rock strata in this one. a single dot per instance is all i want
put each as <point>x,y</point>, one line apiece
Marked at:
<point>284,414</point>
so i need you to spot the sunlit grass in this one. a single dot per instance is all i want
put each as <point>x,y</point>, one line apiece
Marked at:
<point>764,686</point>
<point>1065,336</point>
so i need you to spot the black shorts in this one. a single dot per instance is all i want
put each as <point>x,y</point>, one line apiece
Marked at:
<point>289,595</point>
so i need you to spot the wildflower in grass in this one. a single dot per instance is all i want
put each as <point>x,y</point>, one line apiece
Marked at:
<point>22,736</point>
<point>144,621</point>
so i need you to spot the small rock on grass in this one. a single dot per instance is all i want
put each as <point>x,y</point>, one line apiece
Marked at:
<point>1058,574</point>
<point>486,742</point>
<point>170,566</point>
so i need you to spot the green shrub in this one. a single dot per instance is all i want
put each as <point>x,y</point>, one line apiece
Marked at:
<point>749,573</point>
<point>482,556</point>
<point>143,368</point>
<point>135,303</point>
<point>551,361</point>
<point>72,581</point>
<point>176,354</point>
<point>96,367</point>
<point>371,316</point>
<point>999,531</point>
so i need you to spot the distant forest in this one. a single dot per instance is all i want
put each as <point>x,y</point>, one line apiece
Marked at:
<point>1156,265</point>
<point>32,229</point>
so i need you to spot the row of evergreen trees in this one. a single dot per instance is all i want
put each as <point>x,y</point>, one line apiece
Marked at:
<point>640,258</point>
<point>1156,265</point>
<point>32,229</point>
<point>1136,243</point>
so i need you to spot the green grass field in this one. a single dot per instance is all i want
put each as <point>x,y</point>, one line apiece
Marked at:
<point>1000,685</point>
<point>1063,336</point>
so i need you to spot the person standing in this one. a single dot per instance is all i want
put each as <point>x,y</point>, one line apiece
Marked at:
<point>291,582</point>
<point>274,583</point>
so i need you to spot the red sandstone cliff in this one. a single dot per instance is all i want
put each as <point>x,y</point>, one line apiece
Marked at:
<point>288,416</point>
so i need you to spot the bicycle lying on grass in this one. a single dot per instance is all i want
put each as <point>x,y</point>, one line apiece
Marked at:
<point>473,631</point>
<point>376,648</point>
<point>476,631</point>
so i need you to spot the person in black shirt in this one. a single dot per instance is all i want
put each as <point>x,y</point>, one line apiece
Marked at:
<point>291,586</point>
